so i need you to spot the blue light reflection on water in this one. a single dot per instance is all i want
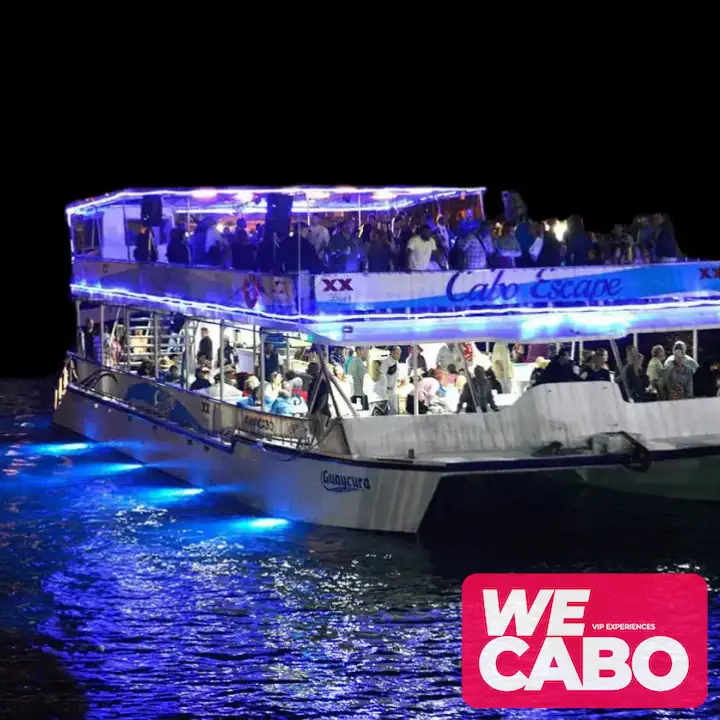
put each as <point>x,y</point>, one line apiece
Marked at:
<point>161,600</point>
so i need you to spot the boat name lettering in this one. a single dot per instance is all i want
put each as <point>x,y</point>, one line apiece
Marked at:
<point>344,483</point>
<point>337,284</point>
<point>259,424</point>
<point>542,289</point>
<point>584,288</point>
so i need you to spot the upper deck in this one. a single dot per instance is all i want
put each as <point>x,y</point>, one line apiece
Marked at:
<point>522,304</point>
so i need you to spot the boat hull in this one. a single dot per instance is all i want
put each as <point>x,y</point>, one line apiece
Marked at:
<point>282,482</point>
<point>276,481</point>
<point>686,479</point>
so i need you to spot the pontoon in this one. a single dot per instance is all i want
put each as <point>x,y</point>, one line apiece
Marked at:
<point>361,471</point>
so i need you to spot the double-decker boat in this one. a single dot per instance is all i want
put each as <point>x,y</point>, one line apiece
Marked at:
<point>358,470</point>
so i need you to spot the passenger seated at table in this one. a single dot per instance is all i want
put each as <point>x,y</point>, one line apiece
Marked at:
<point>253,400</point>
<point>480,386</point>
<point>146,369</point>
<point>559,370</point>
<point>202,378</point>
<point>287,404</point>
<point>425,391</point>
<point>229,389</point>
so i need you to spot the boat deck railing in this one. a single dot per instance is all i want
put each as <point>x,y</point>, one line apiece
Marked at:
<point>209,291</point>
<point>192,411</point>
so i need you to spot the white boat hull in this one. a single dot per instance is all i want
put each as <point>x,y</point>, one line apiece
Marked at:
<point>278,482</point>
<point>370,495</point>
<point>687,479</point>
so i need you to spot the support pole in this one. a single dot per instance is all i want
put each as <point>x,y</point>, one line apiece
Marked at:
<point>695,352</point>
<point>329,379</point>
<point>618,361</point>
<point>572,350</point>
<point>102,334</point>
<point>482,204</point>
<point>222,360</point>
<point>581,348</point>
<point>635,341</point>
<point>125,230</point>
<point>156,345</point>
<point>255,351</point>
<point>127,340</point>
<point>469,379</point>
<point>262,371</point>
<point>287,354</point>
<point>413,370</point>
<point>79,342</point>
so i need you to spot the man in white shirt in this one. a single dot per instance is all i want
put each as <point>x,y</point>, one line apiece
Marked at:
<point>229,389</point>
<point>319,236</point>
<point>420,249</point>
<point>390,370</point>
<point>688,361</point>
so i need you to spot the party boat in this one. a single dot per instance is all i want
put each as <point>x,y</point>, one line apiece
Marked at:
<point>369,472</point>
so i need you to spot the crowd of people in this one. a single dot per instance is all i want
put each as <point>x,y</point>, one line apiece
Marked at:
<point>463,378</point>
<point>398,241</point>
<point>377,385</point>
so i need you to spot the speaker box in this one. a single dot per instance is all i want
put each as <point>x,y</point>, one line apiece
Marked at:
<point>279,213</point>
<point>151,210</point>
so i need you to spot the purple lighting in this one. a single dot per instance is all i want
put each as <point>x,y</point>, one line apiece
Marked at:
<point>119,294</point>
<point>403,196</point>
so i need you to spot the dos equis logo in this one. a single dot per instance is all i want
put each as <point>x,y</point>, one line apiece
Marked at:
<point>584,641</point>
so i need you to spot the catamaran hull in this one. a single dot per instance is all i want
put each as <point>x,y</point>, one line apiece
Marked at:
<point>687,479</point>
<point>283,483</point>
<point>276,481</point>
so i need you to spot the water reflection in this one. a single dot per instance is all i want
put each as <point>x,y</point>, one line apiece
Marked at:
<point>162,601</point>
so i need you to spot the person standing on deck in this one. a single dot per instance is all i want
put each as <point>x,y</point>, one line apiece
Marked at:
<point>272,360</point>
<point>356,369</point>
<point>375,389</point>
<point>482,390</point>
<point>206,345</point>
<point>319,237</point>
<point>89,340</point>
<point>687,359</point>
<point>666,249</point>
<point>178,251</point>
<point>578,242</point>
<point>390,370</point>
<point>421,250</point>
<point>678,377</point>
<point>343,249</point>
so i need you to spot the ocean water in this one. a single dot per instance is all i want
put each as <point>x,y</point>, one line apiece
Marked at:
<point>126,594</point>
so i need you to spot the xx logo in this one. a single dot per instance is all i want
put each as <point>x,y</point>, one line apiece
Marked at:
<point>708,273</point>
<point>337,284</point>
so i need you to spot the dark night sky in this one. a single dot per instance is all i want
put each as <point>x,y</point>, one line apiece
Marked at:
<point>604,181</point>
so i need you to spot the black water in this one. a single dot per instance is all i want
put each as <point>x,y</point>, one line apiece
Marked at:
<point>125,595</point>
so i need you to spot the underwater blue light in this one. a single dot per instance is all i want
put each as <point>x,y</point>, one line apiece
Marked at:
<point>163,496</point>
<point>257,524</point>
<point>57,448</point>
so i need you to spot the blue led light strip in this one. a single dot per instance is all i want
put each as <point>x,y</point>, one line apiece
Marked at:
<point>210,307</point>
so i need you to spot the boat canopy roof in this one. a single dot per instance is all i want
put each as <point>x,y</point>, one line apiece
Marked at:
<point>253,200</point>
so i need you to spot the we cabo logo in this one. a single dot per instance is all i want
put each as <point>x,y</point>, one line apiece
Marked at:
<point>584,640</point>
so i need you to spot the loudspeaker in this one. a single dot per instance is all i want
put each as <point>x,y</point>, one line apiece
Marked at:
<point>279,213</point>
<point>151,210</point>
